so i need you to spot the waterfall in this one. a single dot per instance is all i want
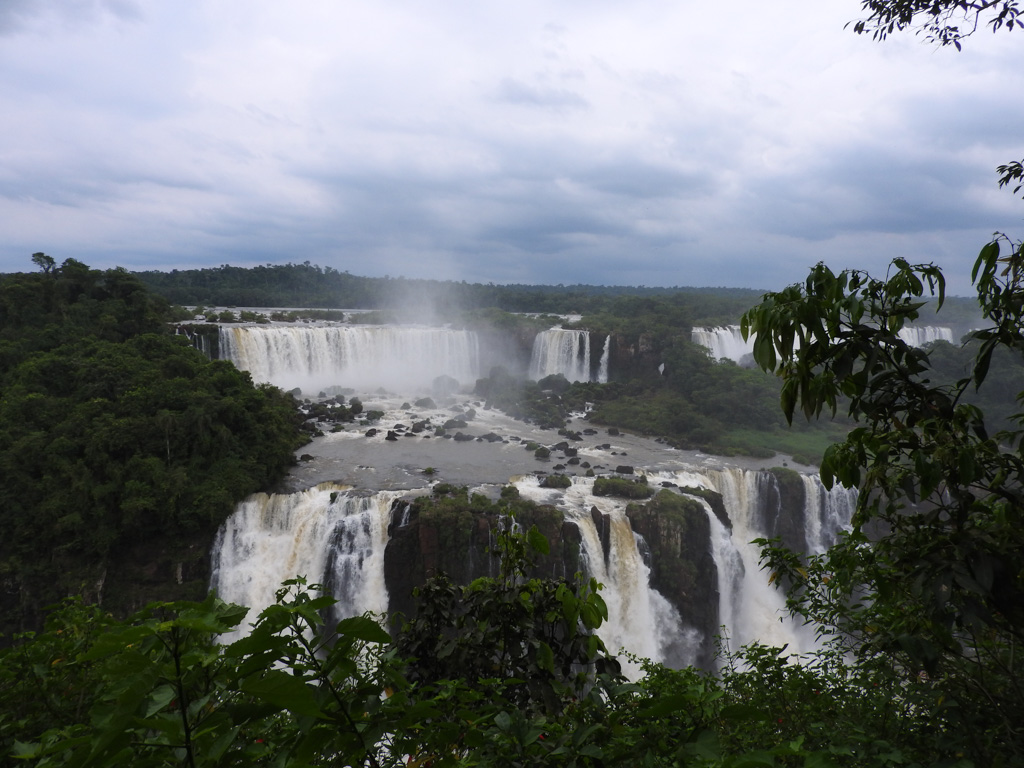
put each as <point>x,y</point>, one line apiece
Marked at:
<point>826,512</point>
<point>338,537</point>
<point>200,341</point>
<point>725,341</point>
<point>602,368</point>
<point>731,570</point>
<point>314,358</point>
<point>751,608</point>
<point>640,619</point>
<point>560,351</point>
<point>756,610</point>
<point>920,335</point>
<point>326,534</point>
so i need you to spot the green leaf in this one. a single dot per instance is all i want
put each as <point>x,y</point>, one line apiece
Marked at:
<point>159,699</point>
<point>819,760</point>
<point>503,721</point>
<point>743,713</point>
<point>538,543</point>
<point>667,705</point>
<point>363,628</point>
<point>285,691</point>
<point>545,658</point>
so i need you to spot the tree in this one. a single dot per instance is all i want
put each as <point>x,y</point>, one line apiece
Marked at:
<point>44,262</point>
<point>946,22</point>
<point>932,573</point>
<point>931,576</point>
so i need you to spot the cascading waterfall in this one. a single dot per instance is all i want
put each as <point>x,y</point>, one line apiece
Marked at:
<point>338,537</point>
<point>826,513</point>
<point>200,341</point>
<point>725,341</point>
<point>560,351</point>
<point>920,335</point>
<point>640,619</point>
<point>327,534</point>
<point>755,609</point>
<point>314,358</point>
<point>751,608</point>
<point>731,571</point>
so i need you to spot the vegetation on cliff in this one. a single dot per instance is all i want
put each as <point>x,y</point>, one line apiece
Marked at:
<point>117,439</point>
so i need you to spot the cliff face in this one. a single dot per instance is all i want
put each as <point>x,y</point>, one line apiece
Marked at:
<point>677,533</point>
<point>782,500</point>
<point>633,357</point>
<point>138,573</point>
<point>425,541</point>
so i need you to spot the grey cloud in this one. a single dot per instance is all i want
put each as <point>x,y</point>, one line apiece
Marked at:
<point>641,180</point>
<point>16,15</point>
<point>517,92</point>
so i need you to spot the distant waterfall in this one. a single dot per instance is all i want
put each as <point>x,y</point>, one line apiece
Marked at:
<point>325,534</point>
<point>725,341</point>
<point>567,352</point>
<point>200,341</point>
<point>406,358</point>
<point>602,366</point>
<point>920,335</point>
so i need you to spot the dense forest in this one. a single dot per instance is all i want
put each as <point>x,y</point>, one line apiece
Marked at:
<point>122,448</point>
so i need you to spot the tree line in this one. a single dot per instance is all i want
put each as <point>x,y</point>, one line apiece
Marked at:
<point>309,285</point>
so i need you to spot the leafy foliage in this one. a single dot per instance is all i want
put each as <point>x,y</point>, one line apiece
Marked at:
<point>157,690</point>
<point>946,22</point>
<point>932,574</point>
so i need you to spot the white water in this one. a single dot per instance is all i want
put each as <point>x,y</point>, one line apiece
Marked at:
<point>755,610</point>
<point>751,608</point>
<point>198,340</point>
<point>826,513</point>
<point>332,535</point>
<point>725,341</point>
<point>326,534</point>
<point>920,335</point>
<point>602,367</point>
<point>315,358</point>
<point>640,619</point>
<point>566,352</point>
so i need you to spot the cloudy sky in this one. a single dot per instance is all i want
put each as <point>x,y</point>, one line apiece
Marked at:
<point>655,142</point>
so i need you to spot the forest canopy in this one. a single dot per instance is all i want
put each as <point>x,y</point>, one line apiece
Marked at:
<point>116,435</point>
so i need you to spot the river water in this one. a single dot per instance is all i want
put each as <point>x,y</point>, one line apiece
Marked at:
<point>351,458</point>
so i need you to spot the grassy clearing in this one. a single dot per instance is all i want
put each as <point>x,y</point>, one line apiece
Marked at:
<point>806,445</point>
